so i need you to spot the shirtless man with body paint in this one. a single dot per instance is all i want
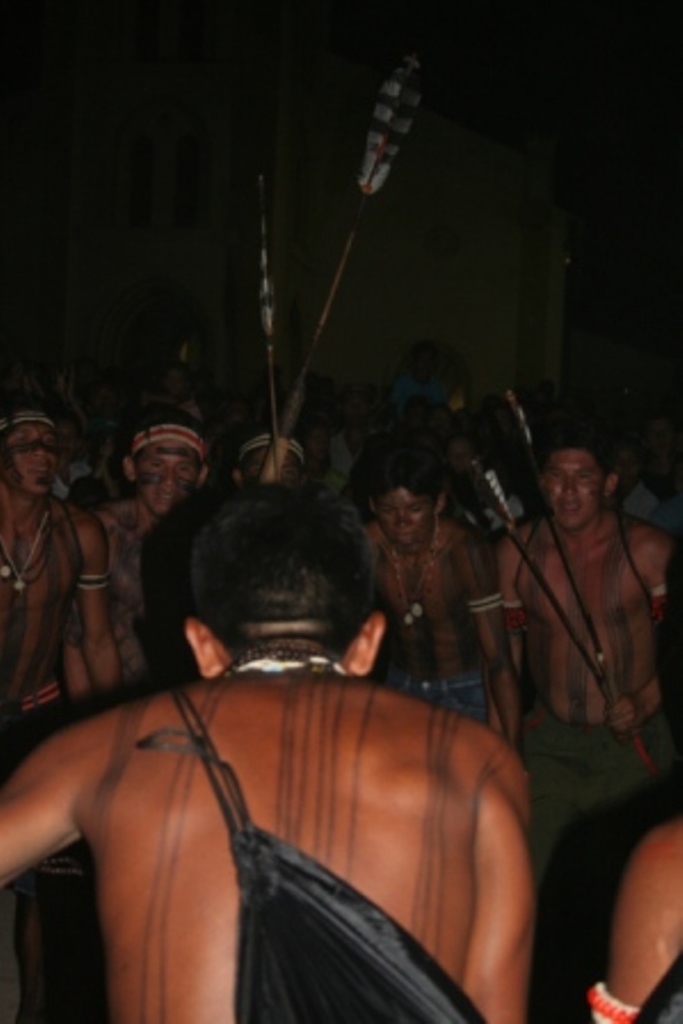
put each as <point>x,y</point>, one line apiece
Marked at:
<point>166,465</point>
<point>420,810</point>
<point>51,554</point>
<point>582,751</point>
<point>437,581</point>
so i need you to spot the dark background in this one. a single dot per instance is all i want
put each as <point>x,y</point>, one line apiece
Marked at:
<point>602,79</point>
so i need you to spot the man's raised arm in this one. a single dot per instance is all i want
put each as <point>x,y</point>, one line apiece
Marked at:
<point>37,807</point>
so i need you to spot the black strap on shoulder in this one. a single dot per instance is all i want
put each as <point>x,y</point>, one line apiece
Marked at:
<point>664,1005</point>
<point>623,536</point>
<point>196,740</point>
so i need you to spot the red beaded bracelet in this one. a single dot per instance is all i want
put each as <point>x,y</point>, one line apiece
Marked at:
<point>608,1007</point>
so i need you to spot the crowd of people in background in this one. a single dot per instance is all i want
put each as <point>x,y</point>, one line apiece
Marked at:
<point>342,428</point>
<point>418,472</point>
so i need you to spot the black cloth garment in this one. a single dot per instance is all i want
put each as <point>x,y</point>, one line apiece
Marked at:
<point>312,949</point>
<point>664,1005</point>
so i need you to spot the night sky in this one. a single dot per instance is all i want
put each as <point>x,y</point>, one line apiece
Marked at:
<point>20,45</point>
<point>607,85</point>
<point>604,82</point>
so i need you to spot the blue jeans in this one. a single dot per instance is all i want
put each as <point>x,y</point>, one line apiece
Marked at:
<point>463,692</point>
<point>20,733</point>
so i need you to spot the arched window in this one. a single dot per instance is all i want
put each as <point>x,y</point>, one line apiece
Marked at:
<point>188,177</point>
<point>141,182</point>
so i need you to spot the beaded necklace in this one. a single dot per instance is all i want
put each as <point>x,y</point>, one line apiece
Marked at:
<point>10,570</point>
<point>284,655</point>
<point>415,602</point>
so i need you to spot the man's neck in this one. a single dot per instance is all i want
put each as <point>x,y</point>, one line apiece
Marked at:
<point>589,534</point>
<point>20,513</point>
<point>285,654</point>
<point>416,551</point>
<point>144,520</point>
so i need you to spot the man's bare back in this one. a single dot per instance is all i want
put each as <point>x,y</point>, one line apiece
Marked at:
<point>404,801</point>
<point>418,809</point>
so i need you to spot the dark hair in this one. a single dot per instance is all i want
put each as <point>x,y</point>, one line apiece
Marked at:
<point>630,443</point>
<point>64,414</point>
<point>274,554</point>
<point>418,470</point>
<point>18,401</point>
<point>585,435</point>
<point>88,492</point>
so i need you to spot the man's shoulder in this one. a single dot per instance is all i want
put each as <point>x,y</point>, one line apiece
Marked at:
<point>647,540</point>
<point>81,520</point>
<point>117,515</point>
<point>91,730</point>
<point>398,724</point>
<point>453,533</point>
<point>374,534</point>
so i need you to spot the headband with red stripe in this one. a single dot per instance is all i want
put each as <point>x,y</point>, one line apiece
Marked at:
<point>168,432</point>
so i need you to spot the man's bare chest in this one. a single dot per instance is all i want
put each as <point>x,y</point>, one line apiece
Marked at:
<point>600,582</point>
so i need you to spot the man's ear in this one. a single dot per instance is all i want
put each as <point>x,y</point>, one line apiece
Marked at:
<point>611,484</point>
<point>203,473</point>
<point>211,655</point>
<point>440,504</point>
<point>129,469</point>
<point>238,478</point>
<point>360,655</point>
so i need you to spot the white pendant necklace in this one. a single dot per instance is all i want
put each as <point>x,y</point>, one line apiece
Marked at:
<point>9,571</point>
<point>415,604</point>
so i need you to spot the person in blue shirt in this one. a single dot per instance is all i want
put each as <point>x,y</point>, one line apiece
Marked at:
<point>421,379</point>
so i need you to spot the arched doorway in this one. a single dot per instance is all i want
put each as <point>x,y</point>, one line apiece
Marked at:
<point>452,370</point>
<point>152,324</point>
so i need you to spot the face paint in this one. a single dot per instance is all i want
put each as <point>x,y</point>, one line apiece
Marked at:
<point>45,444</point>
<point>28,455</point>
<point>150,479</point>
<point>165,476</point>
<point>574,485</point>
<point>407,520</point>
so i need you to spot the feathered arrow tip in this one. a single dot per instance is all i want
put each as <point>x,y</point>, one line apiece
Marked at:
<point>493,494</point>
<point>392,118</point>
<point>266,290</point>
<point>520,416</point>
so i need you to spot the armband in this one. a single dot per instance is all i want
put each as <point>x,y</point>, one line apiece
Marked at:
<point>658,602</point>
<point>94,582</point>
<point>515,617</point>
<point>485,604</point>
<point>608,1010</point>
